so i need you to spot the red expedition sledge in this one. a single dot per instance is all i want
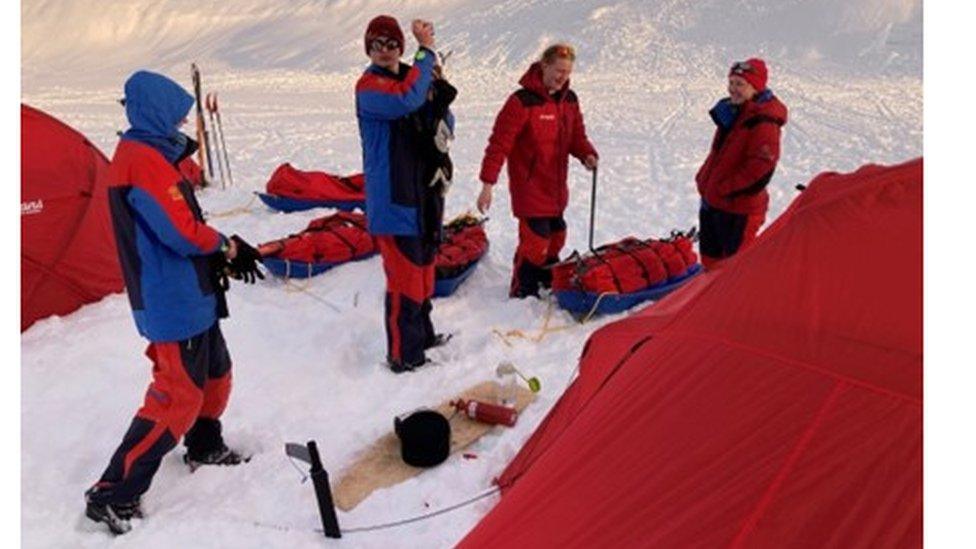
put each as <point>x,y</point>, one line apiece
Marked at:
<point>342,237</point>
<point>292,190</point>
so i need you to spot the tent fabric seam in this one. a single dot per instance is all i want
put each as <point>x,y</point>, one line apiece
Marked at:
<point>794,456</point>
<point>54,275</point>
<point>799,363</point>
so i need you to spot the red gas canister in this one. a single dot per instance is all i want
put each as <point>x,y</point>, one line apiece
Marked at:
<point>483,412</point>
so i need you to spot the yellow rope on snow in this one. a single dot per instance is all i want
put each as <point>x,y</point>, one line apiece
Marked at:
<point>546,329</point>
<point>291,286</point>
<point>235,211</point>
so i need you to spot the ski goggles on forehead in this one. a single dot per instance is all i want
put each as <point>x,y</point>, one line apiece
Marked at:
<point>382,43</point>
<point>741,67</point>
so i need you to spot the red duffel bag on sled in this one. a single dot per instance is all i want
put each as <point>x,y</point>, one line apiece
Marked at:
<point>342,237</point>
<point>291,189</point>
<point>464,242</point>
<point>617,276</point>
<point>627,266</point>
<point>326,242</point>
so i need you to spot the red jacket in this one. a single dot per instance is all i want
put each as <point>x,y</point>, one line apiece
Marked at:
<point>536,133</point>
<point>743,157</point>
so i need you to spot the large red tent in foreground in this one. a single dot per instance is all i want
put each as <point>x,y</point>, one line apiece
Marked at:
<point>67,250</point>
<point>776,402</point>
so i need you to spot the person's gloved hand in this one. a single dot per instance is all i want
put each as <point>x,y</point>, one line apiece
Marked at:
<point>244,264</point>
<point>218,270</point>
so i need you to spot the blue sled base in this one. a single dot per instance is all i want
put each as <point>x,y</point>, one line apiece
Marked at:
<point>444,287</point>
<point>579,302</point>
<point>287,268</point>
<point>287,205</point>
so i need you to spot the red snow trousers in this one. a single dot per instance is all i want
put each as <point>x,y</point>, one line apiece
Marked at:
<point>540,241</point>
<point>408,262</point>
<point>188,393</point>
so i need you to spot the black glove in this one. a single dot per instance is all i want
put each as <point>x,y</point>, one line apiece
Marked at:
<point>218,271</point>
<point>245,264</point>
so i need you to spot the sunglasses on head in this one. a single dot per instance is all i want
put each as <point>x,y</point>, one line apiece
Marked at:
<point>742,67</point>
<point>381,44</point>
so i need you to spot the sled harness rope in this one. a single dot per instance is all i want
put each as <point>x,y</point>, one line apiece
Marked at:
<point>234,211</point>
<point>546,329</point>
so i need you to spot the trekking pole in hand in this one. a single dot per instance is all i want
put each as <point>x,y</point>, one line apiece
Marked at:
<point>592,209</point>
<point>210,103</point>
<point>219,128</point>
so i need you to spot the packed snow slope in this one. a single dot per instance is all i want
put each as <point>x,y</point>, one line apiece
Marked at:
<point>647,73</point>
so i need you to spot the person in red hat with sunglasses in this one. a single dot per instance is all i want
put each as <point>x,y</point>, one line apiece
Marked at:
<point>404,125</point>
<point>745,149</point>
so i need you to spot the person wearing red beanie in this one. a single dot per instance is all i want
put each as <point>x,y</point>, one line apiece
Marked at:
<point>399,107</point>
<point>745,149</point>
<point>384,26</point>
<point>752,71</point>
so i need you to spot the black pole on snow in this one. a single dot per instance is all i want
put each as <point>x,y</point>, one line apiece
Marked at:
<point>592,209</point>
<point>323,493</point>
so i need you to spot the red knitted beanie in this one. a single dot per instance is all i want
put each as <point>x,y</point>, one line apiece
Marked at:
<point>752,71</point>
<point>383,26</point>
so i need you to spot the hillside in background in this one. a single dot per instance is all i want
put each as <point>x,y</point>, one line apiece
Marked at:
<point>876,36</point>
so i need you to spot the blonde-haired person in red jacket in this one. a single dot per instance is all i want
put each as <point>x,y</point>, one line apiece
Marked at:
<point>536,131</point>
<point>732,181</point>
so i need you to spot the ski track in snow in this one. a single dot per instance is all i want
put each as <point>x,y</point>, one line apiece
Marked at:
<point>303,371</point>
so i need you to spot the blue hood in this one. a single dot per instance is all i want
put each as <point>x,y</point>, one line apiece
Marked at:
<point>155,106</point>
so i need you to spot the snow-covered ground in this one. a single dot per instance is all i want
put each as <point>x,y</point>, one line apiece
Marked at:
<point>850,72</point>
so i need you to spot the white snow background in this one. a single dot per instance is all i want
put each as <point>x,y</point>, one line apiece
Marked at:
<point>647,72</point>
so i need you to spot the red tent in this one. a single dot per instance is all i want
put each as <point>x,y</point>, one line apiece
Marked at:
<point>776,402</point>
<point>67,250</point>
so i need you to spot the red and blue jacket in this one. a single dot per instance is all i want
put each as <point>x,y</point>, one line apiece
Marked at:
<point>162,240</point>
<point>391,163</point>
<point>743,156</point>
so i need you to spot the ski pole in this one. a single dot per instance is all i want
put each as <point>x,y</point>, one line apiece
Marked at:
<point>206,133</point>
<point>223,144</point>
<point>592,209</point>
<point>210,102</point>
<point>202,156</point>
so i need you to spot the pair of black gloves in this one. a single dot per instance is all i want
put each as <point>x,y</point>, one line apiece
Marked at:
<point>244,266</point>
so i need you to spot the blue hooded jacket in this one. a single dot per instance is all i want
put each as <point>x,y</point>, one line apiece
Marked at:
<point>162,240</point>
<point>155,106</point>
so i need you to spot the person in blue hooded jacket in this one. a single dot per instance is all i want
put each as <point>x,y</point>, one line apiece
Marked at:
<point>405,124</point>
<point>175,269</point>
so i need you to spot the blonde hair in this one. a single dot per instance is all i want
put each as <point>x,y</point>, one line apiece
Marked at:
<point>558,51</point>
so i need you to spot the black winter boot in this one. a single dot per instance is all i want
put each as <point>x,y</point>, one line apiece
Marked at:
<point>115,516</point>
<point>205,446</point>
